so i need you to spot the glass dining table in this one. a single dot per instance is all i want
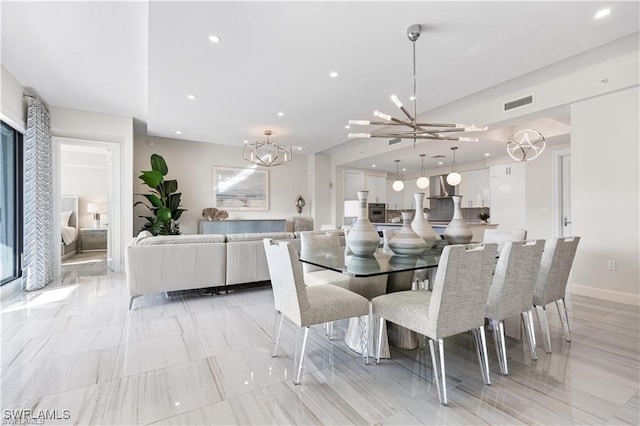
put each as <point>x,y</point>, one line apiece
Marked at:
<point>382,262</point>
<point>399,270</point>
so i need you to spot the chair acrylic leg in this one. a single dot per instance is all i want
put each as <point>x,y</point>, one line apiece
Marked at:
<point>277,329</point>
<point>527,319</point>
<point>544,327</point>
<point>437,362</point>
<point>481,349</point>
<point>364,339</point>
<point>379,345</point>
<point>301,356</point>
<point>564,318</point>
<point>501,348</point>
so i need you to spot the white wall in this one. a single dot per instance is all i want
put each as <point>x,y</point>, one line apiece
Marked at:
<point>604,176</point>
<point>85,175</point>
<point>14,109</point>
<point>322,187</point>
<point>191,164</point>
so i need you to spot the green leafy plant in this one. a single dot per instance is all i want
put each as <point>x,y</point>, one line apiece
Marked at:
<point>164,200</point>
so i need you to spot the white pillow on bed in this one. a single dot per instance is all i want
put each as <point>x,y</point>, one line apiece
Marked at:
<point>64,218</point>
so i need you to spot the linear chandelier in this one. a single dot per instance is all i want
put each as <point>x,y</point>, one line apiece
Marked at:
<point>416,130</point>
<point>267,153</point>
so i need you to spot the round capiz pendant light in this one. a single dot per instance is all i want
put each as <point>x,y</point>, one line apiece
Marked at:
<point>398,185</point>
<point>422,182</point>
<point>454,177</point>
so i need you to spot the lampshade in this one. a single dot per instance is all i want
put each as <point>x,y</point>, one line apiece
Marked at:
<point>93,208</point>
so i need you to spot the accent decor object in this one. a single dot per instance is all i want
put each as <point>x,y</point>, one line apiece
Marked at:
<point>454,177</point>
<point>422,182</point>
<point>417,130</point>
<point>211,214</point>
<point>458,231</point>
<point>398,185</point>
<point>267,153</point>
<point>526,145</point>
<point>406,242</point>
<point>420,224</point>
<point>363,239</point>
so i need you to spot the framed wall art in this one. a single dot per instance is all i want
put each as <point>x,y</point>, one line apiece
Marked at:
<point>240,188</point>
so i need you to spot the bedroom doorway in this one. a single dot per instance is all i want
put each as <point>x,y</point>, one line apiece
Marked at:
<point>87,181</point>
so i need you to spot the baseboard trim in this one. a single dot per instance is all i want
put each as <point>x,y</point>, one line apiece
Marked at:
<point>610,295</point>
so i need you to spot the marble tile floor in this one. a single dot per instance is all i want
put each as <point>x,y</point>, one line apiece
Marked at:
<point>206,360</point>
<point>78,267</point>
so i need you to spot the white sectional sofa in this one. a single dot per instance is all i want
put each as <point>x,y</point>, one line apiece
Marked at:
<point>184,262</point>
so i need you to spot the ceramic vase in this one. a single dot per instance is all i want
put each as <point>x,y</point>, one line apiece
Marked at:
<point>420,224</point>
<point>363,238</point>
<point>457,232</point>
<point>406,242</point>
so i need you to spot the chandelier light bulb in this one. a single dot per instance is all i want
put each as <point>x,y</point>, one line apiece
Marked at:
<point>396,101</point>
<point>360,122</point>
<point>358,135</point>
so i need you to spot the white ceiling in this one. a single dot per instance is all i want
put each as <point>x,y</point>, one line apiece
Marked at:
<point>142,59</point>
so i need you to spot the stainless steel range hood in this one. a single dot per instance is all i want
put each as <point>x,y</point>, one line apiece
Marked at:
<point>439,188</point>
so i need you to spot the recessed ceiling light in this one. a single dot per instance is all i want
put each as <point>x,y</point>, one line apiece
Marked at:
<point>191,97</point>
<point>486,154</point>
<point>347,127</point>
<point>178,132</point>
<point>214,39</point>
<point>299,148</point>
<point>281,114</point>
<point>333,74</point>
<point>245,141</point>
<point>602,13</point>
<point>439,163</point>
<point>404,169</point>
<point>373,165</point>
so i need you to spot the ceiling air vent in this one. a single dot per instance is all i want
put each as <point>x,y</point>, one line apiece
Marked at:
<point>394,141</point>
<point>518,103</point>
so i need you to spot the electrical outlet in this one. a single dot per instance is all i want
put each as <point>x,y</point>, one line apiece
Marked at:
<point>611,265</point>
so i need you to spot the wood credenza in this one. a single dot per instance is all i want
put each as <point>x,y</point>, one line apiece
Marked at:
<point>241,226</point>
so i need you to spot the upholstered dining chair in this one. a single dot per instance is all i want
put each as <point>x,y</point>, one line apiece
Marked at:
<point>306,306</point>
<point>314,275</point>
<point>511,291</point>
<point>500,237</point>
<point>551,285</point>
<point>456,304</point>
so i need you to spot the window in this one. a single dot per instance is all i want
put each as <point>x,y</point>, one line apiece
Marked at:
<point>10,204</point>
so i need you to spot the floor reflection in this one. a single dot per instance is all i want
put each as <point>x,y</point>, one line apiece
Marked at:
<point>87,264</point>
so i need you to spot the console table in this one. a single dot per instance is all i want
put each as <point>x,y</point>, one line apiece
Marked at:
<point>241,226</point>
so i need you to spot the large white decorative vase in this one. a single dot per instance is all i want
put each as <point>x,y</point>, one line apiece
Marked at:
<point>406,242</point>
<point>363,238</point>
<point>420,224</point>
<point>457,232</point>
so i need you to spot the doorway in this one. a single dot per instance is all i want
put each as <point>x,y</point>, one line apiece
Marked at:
<point>87,173</point>
<point>561,163</point>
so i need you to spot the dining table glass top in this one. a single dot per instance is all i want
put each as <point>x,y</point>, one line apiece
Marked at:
<point>383,261</point>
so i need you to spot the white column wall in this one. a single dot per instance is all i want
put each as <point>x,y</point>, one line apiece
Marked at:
<point>604,177</point>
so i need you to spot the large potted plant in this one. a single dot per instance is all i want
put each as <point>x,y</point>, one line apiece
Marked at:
<point>164,200</point>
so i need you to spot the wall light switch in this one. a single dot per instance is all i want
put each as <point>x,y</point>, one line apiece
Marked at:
<point>611,265</point>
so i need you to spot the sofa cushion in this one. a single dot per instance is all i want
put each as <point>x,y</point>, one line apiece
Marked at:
<point>142,235</point>
<point>181,239</point>
<point>260,236</point>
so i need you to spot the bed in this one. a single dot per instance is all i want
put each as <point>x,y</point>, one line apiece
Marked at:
<point>68,225</point>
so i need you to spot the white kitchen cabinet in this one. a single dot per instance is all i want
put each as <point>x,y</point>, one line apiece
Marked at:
<point>508,208</point>
<point>475,188</point>
<point>377,186</point>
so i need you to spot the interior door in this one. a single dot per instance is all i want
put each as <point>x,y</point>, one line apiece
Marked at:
<point>566,195</point>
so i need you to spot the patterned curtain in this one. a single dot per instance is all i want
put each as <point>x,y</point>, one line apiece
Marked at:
<point>38,199</point>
